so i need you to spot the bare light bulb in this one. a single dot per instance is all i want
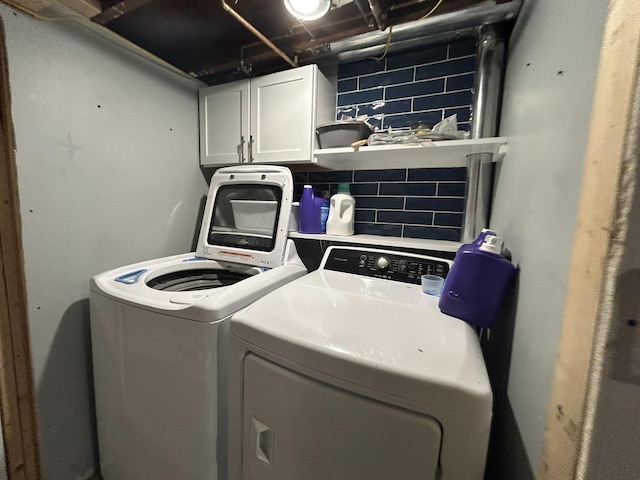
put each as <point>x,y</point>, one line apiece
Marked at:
<point>307,9</point>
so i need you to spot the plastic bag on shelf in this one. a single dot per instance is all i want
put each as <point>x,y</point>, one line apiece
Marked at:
<point>446,129</point>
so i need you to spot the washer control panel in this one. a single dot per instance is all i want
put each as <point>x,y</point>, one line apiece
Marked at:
<point>396,266</point>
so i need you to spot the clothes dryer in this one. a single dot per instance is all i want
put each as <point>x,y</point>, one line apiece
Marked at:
<point>353,373</point>
<point>159,331</point>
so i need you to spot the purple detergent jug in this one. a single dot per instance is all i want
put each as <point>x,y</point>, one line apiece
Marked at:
<point>477,282</point>
<point>313,212</point>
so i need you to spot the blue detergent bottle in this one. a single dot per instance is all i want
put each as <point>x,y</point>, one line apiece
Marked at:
<point>313,212</point>
<point>477,283</point>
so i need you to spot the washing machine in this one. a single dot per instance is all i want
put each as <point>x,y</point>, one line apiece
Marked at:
<point>352,373</point>
<point>159,331</point>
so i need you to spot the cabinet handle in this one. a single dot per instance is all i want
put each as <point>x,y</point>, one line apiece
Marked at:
<point>241,149</point>
<point>250,148</point>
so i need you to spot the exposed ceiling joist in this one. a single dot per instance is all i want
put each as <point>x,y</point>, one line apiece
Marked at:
<point>200,38</point>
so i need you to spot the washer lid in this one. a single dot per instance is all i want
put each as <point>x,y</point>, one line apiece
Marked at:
<point>246,218</point>
<point>377,334</point>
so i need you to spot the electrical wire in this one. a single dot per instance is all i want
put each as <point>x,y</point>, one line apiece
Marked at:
<point>433,9</point>
<point>388,43</point>
<point>386,47</point>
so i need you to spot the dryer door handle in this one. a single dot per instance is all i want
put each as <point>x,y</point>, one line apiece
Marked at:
<point>262,440</point>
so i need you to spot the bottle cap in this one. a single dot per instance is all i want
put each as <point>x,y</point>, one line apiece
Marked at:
<point>492,244</point>
<point>308,186</point>
<point>344,188</point>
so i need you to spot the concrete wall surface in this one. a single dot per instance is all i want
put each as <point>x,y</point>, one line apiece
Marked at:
<point>108,173</point>
<point>548,95</point>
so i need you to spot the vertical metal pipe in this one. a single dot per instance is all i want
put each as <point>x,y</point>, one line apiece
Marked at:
<point>486,110</point>
<point>488,85</point>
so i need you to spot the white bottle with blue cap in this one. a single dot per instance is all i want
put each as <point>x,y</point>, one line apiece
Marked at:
<point>342,208</point>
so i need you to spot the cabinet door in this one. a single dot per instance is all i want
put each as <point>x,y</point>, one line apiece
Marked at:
<point>295,427</point>
<point>224,123</point>
<point>283,115</point>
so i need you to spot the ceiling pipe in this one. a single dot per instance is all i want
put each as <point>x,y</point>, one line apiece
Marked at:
<point>398,46</point>
<point>447,25</point>
<point>257,33</point>
<point>441,28</point>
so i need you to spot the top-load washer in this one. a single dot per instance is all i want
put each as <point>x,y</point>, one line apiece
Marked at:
<point>159,331</point>
<point>352,373</point>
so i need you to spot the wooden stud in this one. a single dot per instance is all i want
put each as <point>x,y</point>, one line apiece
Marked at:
<point>618,72</point>
<point>17,402</point>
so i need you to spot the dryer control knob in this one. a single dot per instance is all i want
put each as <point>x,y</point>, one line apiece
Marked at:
<point>382,263</point>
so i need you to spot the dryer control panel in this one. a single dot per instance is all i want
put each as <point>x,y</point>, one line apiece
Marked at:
<point>396,266</point>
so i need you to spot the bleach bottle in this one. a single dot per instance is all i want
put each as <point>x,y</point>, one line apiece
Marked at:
<point>313,212</point>
<point>479,278</point>
<point>342,208</point>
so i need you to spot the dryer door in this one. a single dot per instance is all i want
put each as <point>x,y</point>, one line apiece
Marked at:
<point>295,427</point>
<point>246,218</point>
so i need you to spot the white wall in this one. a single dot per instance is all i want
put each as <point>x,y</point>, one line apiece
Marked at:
<point>107,153</point>
<point>550,81</point>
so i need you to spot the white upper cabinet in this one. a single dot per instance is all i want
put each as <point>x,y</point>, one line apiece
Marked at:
<point>269,119</point>
<point>224,123</point>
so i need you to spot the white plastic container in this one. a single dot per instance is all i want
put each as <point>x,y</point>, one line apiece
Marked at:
<point>342,208</point>
<point>293,221</point>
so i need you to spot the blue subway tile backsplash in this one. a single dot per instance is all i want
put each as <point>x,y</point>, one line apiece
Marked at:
<point>359,68</point>
<point>408,189</point>
<point>448,67</point>
<point>436,204</point>
<point>437,174</point>
<point>462,48</point>
<point>398,106</point>
<point>394,175</point>
<point>432,233</point>
<point>451,189</point>
<point>459,82</point>
<point>415,89</point>
<point>416,218</point>
<point>360,97</point>
<point>364,189</point>
<point>444,100</point>
<point>448,219</point>
<point>386,78</point>
<point>429,206</point>
<point>434,79</point>
<point>426,84</point>
<point>365,215</point>
<point>380,203</point>
<point>348,85</point>
<point>419,56</point>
